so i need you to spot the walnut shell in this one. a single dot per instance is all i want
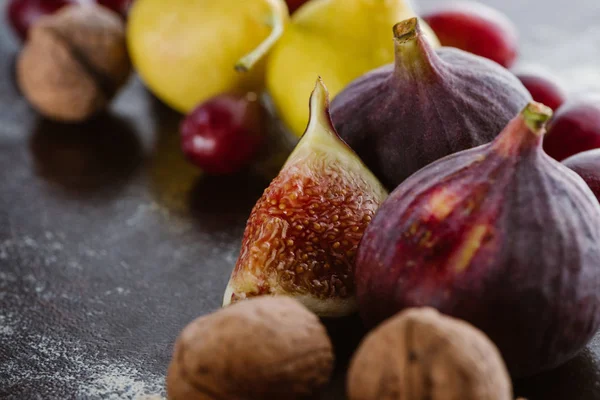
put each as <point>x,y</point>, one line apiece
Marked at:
<point>422,354</point>
<point>263,348</point>
<point>74,62</point>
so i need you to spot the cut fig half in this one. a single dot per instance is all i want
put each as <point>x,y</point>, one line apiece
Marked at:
<point>303,233</point>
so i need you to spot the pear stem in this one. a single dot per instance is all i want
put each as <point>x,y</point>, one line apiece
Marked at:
<point>536,115</point>
<point>276,22</point>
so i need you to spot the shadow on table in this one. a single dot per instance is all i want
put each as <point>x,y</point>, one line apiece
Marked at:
<point>224,203</point>
<point>579,379</point>
<point>172,176</point>
<point>346,333</point>
<point>90,158</point>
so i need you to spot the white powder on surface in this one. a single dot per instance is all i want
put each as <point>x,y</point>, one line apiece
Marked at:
<point>120,381</point>
<point>53,357</point>
<point>69,365</point>
<point>6,331</point>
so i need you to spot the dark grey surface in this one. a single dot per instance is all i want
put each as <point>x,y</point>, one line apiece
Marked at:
<point>110,243</point>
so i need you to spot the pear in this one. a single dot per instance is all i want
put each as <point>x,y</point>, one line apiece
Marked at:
<point>185,51</point>
<point>339,40</point>
<point>303,233</point>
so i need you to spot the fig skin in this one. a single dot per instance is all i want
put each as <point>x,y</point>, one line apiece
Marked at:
<point>430,104</point>
<point>587,165</point>
<point>502,236</point>
<point>303,233</point>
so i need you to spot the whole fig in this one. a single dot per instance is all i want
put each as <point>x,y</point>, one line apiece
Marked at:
<point>429,104</point>
<point>502,236</point>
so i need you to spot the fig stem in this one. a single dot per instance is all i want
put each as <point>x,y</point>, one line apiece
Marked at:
<point>319,108</point>
<point>320,134</point>
<point>407,30</point>
<point>276,22</point>
<point>414,56</point>
<point>536,115</point>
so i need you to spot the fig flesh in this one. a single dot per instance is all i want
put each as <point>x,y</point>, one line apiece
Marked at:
<point>502,236</point>
<point>302,235</point>
<point>428,105</point>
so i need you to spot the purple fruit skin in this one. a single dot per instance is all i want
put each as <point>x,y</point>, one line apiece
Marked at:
<point>587,165</point>
<point>536,294</point>
<point>574,128</point>
<point>452,102</point>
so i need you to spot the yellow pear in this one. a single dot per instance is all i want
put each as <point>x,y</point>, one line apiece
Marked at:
<point>339,40</point>
<point>185,50</point>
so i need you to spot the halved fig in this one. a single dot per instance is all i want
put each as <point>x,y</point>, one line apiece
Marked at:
<point>302,235</point>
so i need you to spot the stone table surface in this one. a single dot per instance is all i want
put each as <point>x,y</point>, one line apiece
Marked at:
<point>110,243</point>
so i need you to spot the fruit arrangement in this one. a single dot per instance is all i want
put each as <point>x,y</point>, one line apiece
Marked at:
<point>469,235</point>
<point>453,203</point>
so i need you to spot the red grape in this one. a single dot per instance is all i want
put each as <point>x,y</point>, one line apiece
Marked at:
<point>22,14</point>
<point>574,128</point>
<point>587,165</point>
<point>293,5</point>
<point>476,28</point>
<point>222,135</point>
<point>543,86</point>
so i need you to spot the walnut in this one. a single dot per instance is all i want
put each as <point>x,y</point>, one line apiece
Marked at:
<point>263,348</point>
<point>74,62</point>
<point>421,354</point>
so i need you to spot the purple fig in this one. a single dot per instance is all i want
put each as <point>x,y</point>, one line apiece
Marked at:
<point>502,236</point>
<point>587,165</point>
<point>429,104</point>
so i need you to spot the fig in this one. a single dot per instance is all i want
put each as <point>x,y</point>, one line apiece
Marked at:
<point>303,233</point>
<point>476,28</point>
<point>575,128</point>
<point>502,236</point>
<point>587,165</point>
<point>428,105</point>
<point>337,39</point>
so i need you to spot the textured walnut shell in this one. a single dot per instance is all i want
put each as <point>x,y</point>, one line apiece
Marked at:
<point>74,62</point>
<point>422,354</point>
<point>263,348</point>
